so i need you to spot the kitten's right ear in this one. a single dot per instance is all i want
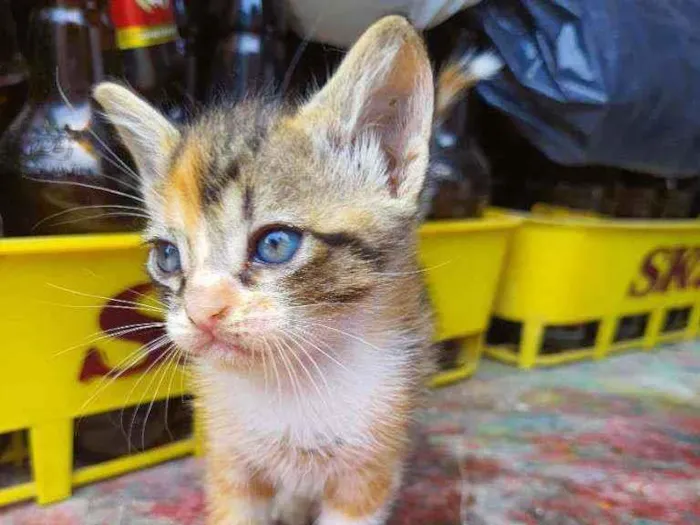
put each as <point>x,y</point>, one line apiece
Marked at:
<point>382,95</point>
<point>147,134</point>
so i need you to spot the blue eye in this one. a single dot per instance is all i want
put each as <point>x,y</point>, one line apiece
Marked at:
<point>167,257</point>
<point>277,246</point>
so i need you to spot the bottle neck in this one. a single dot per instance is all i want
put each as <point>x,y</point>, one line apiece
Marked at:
<point>451,132</point>
<point>8,32</point>
<point>11,61</point>
<point>254,16</point>
<point>61,58</point>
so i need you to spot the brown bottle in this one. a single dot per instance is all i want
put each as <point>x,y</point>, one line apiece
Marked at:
<point>583,191</point>
<point>459,180</point>
<point>636,195</point>
<point>459,184</point>
<point>53,171</point>
<point>147,37</point>
<point>678,196</point>
<point>13,70</point>
<point>187,15</point>
<point>250,54</point>
<point>106,61</point>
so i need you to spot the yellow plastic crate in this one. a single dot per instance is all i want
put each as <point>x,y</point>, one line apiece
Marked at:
<point>605,272</point>
<point>463,261</point>
<point>55,294</point>
<point>61,294</point>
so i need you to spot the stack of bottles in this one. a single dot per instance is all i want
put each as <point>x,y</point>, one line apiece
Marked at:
<point>62,169</point>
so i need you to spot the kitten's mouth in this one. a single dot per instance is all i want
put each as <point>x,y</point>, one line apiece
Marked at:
<point>216,345</point>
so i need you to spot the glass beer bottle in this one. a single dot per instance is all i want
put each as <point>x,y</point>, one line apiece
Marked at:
<point>250,54</point>
<point>153,64</point>
<point>13,70</point>
<point>56,174</point>
<point>459,185</point>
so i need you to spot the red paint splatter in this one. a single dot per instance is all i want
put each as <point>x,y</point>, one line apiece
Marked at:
<point>187,509</point>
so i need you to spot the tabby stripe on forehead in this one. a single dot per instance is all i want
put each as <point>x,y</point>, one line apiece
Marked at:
<point>259,135</point>
<point>248,203</point>
<point>352,242</point>
<point>214,184</point>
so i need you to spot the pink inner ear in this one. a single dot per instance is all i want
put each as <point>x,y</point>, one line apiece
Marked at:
<point>383,89</point>
<point>394,111</point>
<point>387,114</point>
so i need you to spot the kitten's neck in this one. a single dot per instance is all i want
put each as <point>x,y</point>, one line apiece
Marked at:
<point>312,365</point>
<point>342,402</point>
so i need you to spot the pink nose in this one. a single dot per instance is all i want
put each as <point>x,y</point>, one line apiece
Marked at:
<point>207,302</point>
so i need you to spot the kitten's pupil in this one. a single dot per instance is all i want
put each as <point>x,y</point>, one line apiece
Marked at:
<point>277,246</point>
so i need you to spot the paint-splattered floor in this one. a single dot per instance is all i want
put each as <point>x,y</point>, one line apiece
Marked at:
<point>608,443</point>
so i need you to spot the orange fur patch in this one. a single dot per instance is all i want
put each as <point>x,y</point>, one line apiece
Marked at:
<point>451,83</point>
<point>364,497</point>
<point>225,495</point>
<point>183,190</point>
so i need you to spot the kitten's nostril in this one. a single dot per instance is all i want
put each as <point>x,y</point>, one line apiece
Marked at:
<point>206,319</point>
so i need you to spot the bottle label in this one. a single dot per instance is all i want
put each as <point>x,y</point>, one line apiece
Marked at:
<point>143,23</point>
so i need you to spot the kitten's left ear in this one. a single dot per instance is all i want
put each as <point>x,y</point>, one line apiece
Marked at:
<point>383,90</point>
<point>147,134</point>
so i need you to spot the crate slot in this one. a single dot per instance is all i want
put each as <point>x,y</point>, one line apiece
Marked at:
<point>457,359</point>
<point>504,333</point>
<point>108,436</point>
<point>449,354</point>
<point>631,327</point>
<point>676,319</point>
<point>15,467</point>
<point>561,338</point>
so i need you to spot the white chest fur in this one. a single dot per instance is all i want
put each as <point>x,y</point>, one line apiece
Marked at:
<point>307,410</point>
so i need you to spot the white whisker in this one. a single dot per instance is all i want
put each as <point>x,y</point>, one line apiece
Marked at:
<point>87,186</point>
<point>106,307</point>
<point>110,334</point>
<point>80,208</point>
<point>302,334</point>
<point>172,357</point>
<point>275,370</point>
<point>157,362</point>
<point>123,367</point>
<point>100,216</point>
<point>93,296</point>
<point>124,166</point>
<point>306,371</point>
<point>343,332</point>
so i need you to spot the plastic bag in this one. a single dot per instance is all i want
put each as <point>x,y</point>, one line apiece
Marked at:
<point>606,82</point>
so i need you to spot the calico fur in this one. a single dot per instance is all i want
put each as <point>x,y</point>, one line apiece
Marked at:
<point>309,379</point>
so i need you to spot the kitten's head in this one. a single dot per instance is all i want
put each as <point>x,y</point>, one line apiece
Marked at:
<point>272,227</point>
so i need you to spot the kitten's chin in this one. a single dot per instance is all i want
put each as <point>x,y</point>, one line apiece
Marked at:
<point>217,349</point>
<point>205,346</point>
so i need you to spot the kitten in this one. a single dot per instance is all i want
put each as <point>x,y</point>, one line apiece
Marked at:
<point>285,242</point>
